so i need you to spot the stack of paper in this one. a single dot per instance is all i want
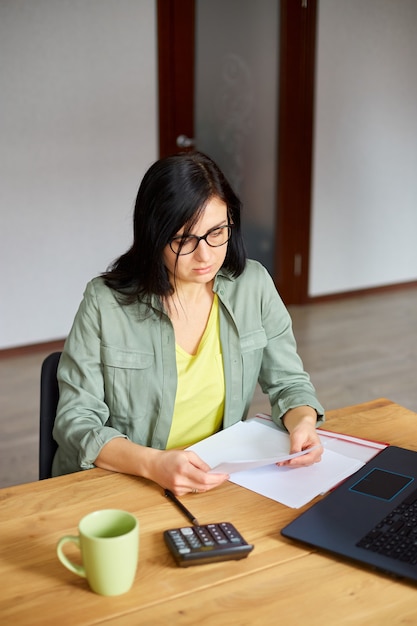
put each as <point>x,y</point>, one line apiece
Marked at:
<point>249,451</point>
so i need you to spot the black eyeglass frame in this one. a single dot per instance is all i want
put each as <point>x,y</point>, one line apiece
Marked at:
<point>197,240</point>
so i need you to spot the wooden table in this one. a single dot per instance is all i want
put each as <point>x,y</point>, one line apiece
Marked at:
<point>279,581</point>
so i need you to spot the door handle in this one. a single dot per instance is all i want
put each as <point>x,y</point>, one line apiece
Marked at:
<point>185,142</point>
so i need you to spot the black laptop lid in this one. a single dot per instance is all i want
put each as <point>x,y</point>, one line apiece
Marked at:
<point>341,519</point>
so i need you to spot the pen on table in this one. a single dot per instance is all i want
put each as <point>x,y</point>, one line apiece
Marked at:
<point>182,508</point>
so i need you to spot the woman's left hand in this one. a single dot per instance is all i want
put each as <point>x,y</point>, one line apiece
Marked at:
<point>301,425</point>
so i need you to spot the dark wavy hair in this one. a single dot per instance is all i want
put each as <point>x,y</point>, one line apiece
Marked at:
<point>172,195</point>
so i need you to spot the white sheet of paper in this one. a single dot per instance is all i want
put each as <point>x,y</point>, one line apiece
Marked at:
<point>230,467</point>
<point>243,446</point>
<point>295,487</point>
<point>250,450</point>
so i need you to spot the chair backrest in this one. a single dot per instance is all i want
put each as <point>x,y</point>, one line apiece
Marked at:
<point>48,405</point>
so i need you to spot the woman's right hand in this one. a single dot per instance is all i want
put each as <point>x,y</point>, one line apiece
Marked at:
<point>183,471</point>
<point>180,471</point>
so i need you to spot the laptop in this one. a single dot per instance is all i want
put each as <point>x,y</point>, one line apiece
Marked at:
<point>370,518</point>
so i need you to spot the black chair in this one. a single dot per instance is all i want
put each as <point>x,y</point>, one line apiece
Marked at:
<point>48,405</point>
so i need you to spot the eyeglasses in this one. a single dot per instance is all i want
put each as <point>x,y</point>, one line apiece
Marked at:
<point>186,244</point>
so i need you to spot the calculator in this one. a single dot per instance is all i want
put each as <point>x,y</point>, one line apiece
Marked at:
<point>195,545</point>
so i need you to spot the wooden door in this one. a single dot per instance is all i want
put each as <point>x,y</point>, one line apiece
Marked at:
<point>176,44</point>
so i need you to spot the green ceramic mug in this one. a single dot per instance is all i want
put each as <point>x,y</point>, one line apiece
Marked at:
<point>109,544</point>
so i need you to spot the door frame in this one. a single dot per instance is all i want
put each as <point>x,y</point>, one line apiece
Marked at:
<point>176,40</point>
<point>298,18</point>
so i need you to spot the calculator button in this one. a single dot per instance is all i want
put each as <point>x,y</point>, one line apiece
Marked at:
<point>205,536</point>
<point>190,538</point>
<point>230,533</point>
<point>217,534</point>
<point>175,536</point>
<point>194,542</point>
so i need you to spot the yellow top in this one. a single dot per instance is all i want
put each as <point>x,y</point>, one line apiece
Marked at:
<point>199,403</point>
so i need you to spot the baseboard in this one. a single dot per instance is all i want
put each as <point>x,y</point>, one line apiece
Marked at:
<point>48,346</point>
<point>332,297</point>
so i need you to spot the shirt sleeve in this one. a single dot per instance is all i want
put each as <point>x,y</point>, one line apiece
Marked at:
<point>80,425</point>
<point>282,374</point>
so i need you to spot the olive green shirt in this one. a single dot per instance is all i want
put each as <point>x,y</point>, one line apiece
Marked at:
<point>117,374</point>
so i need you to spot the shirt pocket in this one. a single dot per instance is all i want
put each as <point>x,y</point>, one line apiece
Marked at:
<point>127,377</point>
<point>252,346</point>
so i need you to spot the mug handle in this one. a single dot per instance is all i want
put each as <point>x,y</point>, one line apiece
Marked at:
<point>73,567</point>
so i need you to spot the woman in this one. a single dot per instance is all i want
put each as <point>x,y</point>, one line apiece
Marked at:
<point>168,345</point>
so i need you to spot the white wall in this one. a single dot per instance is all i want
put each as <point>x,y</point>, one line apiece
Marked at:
<point>365,177</point>
<point>78,128</point>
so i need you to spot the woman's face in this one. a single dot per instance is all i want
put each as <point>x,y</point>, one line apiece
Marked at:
<point>200,266</point>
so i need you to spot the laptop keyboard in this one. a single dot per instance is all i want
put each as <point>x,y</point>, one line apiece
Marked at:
<point>396,535</point>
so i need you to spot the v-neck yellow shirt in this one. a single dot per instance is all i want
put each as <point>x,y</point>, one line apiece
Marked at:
<point>199,403</point>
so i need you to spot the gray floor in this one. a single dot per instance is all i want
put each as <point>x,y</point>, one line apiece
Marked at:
<point>355,349</point>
